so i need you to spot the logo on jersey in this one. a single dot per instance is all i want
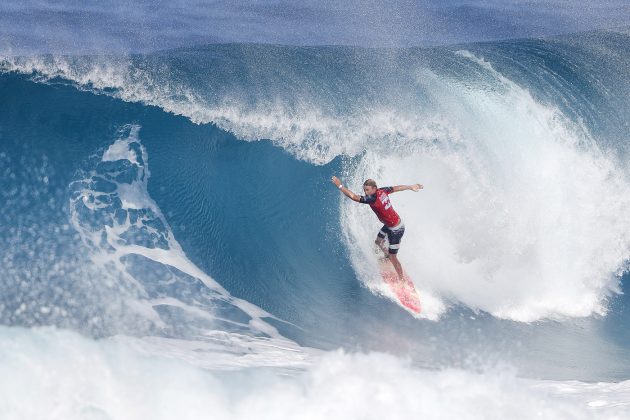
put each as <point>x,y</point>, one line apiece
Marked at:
<point>385,200</point>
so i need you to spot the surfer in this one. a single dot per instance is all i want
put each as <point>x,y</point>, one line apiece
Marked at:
<point>393,227</point>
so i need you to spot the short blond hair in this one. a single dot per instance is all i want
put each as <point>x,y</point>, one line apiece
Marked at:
<point>370,182</point>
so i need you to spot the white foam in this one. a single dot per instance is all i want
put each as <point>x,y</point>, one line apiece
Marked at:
<point>522,215</point>
<point>46,373</point>
<point>120,148</point>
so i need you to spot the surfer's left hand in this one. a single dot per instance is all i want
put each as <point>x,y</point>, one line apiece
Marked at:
<point>417,187</point>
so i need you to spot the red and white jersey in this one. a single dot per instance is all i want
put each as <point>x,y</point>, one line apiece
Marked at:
<point>380,204</point>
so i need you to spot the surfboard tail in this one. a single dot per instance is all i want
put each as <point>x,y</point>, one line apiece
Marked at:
<point>405,291</point>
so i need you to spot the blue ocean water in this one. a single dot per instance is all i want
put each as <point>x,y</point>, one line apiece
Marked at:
<point>69,26</point>
<point>179,202</point>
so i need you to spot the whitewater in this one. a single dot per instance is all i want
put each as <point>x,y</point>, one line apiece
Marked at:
<point>172,245</point>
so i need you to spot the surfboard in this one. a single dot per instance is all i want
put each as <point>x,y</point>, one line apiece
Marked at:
<point>405,291</point>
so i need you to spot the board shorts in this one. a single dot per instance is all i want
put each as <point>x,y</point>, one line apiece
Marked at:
<point>394,235</point>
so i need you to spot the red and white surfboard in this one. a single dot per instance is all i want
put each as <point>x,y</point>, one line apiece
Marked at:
<point>405,291</point>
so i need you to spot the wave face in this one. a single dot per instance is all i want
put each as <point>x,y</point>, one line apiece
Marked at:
<point>235,243</point>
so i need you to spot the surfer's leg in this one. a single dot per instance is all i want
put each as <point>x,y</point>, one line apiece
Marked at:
<point>397,266</point>
<point>380,241</point>
<point>394,236</point>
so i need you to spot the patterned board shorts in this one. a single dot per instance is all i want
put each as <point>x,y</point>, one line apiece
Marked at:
<point>394,235</point>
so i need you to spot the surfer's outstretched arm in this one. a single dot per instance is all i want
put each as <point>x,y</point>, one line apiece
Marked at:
<point>344,190</point>
<point>413,187</point>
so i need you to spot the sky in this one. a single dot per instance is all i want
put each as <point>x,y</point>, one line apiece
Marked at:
<point>68,26</point>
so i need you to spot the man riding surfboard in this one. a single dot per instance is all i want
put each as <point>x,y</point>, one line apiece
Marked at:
<point>393,227</point>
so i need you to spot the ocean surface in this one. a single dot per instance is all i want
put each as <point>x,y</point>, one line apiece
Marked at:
<point>171,244</point>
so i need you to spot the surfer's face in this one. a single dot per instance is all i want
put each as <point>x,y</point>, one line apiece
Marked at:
<point>369,190</point>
